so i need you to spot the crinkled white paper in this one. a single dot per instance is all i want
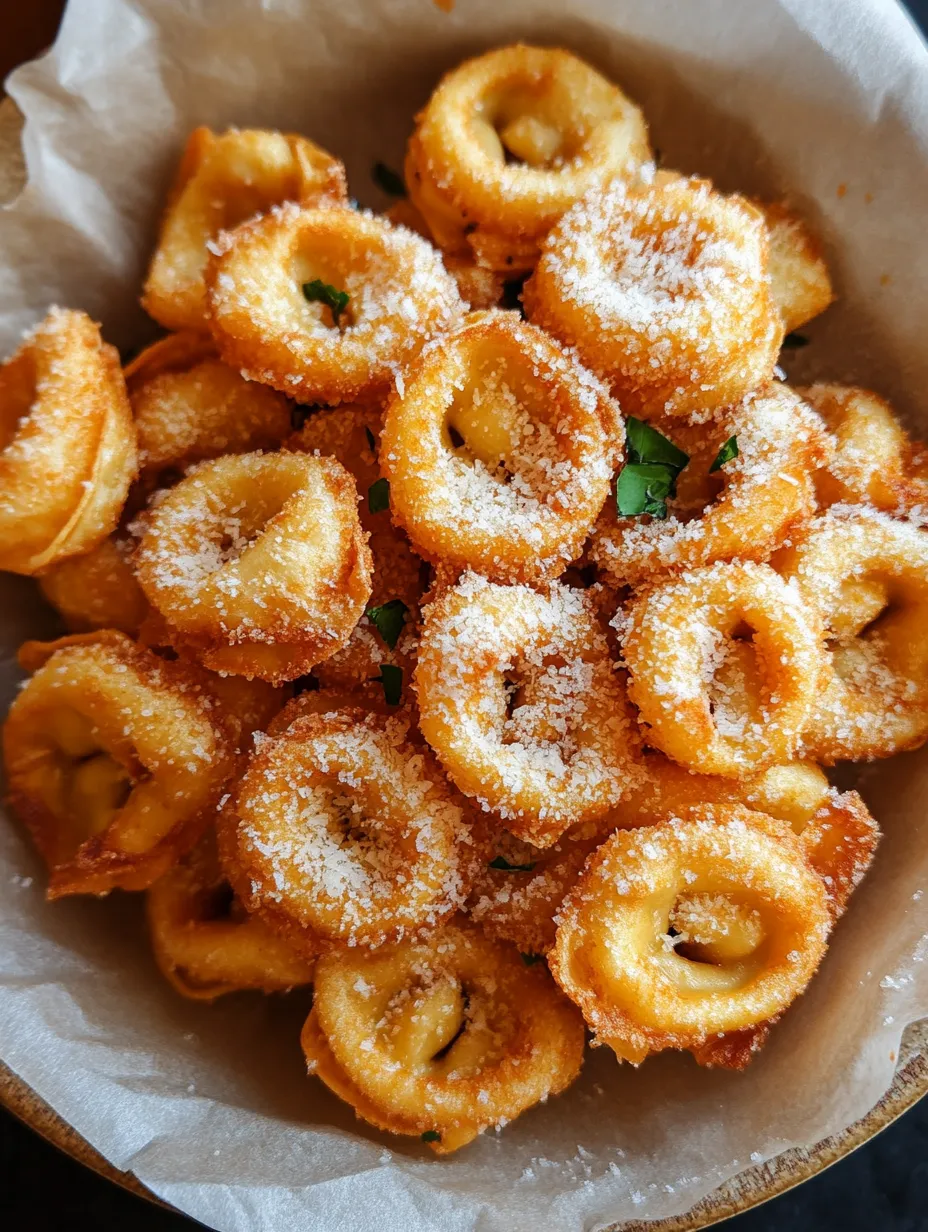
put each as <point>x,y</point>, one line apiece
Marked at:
<point>826,100</point>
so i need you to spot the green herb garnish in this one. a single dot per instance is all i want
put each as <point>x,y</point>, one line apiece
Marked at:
<point>389,619</point>
<point>792,342</point>
<point>391,677</point>
<point>531,959</point>
<point>431,1135</point>
<point>319,292</point>
<point>504,866</point>
<point>389,180</point>
<point>644,488</point>
<point>378,496</point>
<point>649,476</point>
<point>371,440</point>
<point>728,451</point>
<point>646,444</point>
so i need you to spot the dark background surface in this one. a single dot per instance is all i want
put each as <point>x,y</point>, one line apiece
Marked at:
<point>883,1187</point>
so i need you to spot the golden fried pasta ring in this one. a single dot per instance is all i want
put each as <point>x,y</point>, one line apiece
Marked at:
<point>517,892</point>
<point>115,761</point>
<point>350,434</point>
<point>520,702</point>
<point>799,280</point>
<point>836,829</point>
<point>711,922</point>
<point>510,140</point>
<point>865,576</point>
<point>269,327</point>
<point>224,179</point>
<point>724,666</point>
<point>67,443</point>
<point>743,511</point>
<point>663,291</point>
<point>204,942</point>
<point>99,589</point>
<point>343,829</point>
<point>258,563</point>
<point>874,460</point>
<point>187,412</point>
<point>498,448</point>
<point>440,1038</point>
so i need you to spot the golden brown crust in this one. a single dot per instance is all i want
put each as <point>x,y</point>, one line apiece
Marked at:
<point>343,827</point>
<point>663,290</point>
<point>743,511</point>
<point>724,664</point>
<point>498,449</point>
<point>67,443</point>
<point>115,761</point>
<point>224,179</point>
<point>258,563</point>
<point>518,698</point>
<point>709,923</point>
<point>564,126</point>
<point>204,943</point>
<point>864,575</point>
<point>399,295</point>
<point>441,1038</point>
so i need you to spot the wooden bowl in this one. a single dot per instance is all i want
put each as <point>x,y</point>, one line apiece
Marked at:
<point>743,1191</point>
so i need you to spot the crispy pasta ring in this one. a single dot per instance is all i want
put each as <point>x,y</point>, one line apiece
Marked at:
<point>520,702</point>
<point>498,449</point>
<point>224,179</point>
<point>663,290</point>
<point>258,563</point>
<point>874,462</point>
<point>399,295</point>
<point>440,1038</point>
<point>115,761</point>
<point>865,576</point>
<point>343,829</point>
<point>711,922</point>
<point>511,139</point>
<point>67,443</point>
<point>742,511</point>
<point>724,666</point>
<point>350,434</point>
<point>835,828</point>
<point>204,942</point>
<point>98,589</point>
<point>189,406</point>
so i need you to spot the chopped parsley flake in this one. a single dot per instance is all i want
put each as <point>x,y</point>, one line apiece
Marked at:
<point>504,866</point>
<point>391,677</point>
<point>431,1135</point>
<point>378,496</point>
<point>319,292</point>
<point>389,619</point>
<point>728,451</point>
<point>649,476</point>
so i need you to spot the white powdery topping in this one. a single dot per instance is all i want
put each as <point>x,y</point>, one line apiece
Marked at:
<point>665,266</point>
<point>554,738</point>
<point>360,823</point>
<point>528,471</point>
